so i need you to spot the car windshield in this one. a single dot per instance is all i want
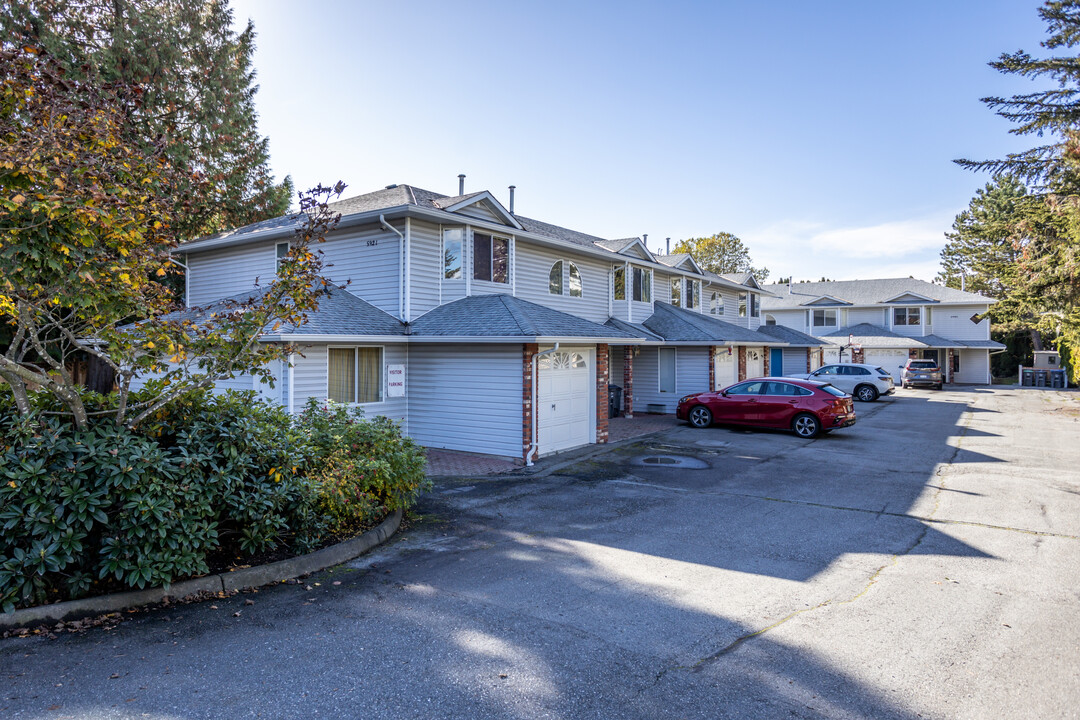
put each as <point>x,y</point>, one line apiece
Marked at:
<point>923,365</point>
<point>834,390</point>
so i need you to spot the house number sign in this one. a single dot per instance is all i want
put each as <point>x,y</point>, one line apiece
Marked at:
<point>395,381</point>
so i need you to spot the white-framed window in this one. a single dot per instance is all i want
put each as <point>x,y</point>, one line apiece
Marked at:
<point>742,304</point>
<point>770,319</point>
<point>907,316</point>
<point>714,304</point>
<point>619,283</point>
<point>491,258</point>
<point>452,246</point>
<point>281,251</point>
<point>575,281</point>
<point>561,361</point>
<point>676,292</point>
<point>755,305</point>
<point>642,285</point>
<point>354,374</point>
<point>823,318</point>
<point>667,370</point>
<point>693,294</point>
<point>555,284</point>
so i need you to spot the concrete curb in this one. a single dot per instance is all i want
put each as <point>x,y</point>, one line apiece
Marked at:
<point>221,582</point>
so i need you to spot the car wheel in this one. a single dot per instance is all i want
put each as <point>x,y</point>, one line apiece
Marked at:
<point>806,426</point>
<point>866,393</point>
<point>940,386</point>
<point>700,417</point>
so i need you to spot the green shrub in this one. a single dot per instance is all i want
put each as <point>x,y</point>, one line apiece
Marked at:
<point>208,474</point>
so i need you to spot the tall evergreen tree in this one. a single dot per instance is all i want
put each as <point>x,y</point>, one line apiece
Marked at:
<point>193,92</point>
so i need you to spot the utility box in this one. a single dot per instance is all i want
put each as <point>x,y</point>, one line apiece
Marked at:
<point>1047,360</point>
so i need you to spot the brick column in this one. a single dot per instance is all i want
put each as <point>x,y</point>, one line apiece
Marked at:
<point>712,367</point>
<point>628,381</point>
<point>766,363</point>
<point>857,356</point>
<point>809,360</point>
<point>742,363</point>
<point>949,365</point>
<point>913,354</point>
<point>528,350</point>
<point>602,379</point>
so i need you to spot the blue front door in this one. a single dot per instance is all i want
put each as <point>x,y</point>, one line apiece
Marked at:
<point>776,362</point>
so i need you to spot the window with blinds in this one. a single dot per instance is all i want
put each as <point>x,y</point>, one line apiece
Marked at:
<point>354,375</point>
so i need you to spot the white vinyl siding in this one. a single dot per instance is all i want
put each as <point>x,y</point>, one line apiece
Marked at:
<point>466,397</point>
<point>534,266</point>
<point>480,211</point>
<point>954,322</point>
<point>974,367</point>
<point>217,274</point>
<point>373,271</point>
<point>873,316</point>
<point>691,372</point>
<point>310,379</point>
<point>426,270</point>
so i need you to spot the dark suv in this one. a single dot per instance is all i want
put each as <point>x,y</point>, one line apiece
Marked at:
<point>921,373</point>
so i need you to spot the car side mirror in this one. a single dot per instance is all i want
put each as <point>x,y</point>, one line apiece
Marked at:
<point>724,393</point>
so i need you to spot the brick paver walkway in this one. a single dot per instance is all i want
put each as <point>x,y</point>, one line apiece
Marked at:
<point>622,428</point>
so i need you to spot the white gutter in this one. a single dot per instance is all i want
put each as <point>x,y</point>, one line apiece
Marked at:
<point>401,266</point>
<point>535,414</point>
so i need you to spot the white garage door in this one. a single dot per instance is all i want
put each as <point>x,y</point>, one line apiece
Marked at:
<point>891,360</point>
<point>564,408</point>
<point>755,362</point>
<point>726,367</point>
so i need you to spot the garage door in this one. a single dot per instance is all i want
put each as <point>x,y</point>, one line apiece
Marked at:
<point>755,362</point>
<point>726,370</point>
<point>564,407</point>
<point>891,360</point>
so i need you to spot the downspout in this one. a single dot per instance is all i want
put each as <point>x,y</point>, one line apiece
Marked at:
<point>408,269</point>
<point>401,265</point>
<point>535,412</point>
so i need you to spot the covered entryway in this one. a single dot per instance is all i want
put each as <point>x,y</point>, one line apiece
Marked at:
<point>755,362</point>
<point>726,370</point>
<point>890,360</point>
<point>565,397</point>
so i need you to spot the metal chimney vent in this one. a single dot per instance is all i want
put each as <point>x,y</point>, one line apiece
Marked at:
<point>512,188</point>
<point>668,247</point>
<point>461,184</point>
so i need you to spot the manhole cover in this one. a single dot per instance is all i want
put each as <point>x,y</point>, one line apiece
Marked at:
<point>680,461</point>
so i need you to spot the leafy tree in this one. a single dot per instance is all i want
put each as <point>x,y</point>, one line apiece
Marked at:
<point>190,80</point>
<point>86,232</point>
<point>721,253</point>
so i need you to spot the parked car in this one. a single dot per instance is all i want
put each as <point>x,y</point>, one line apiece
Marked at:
<point>925,373</point>
<point>806,407</point>
<point>864,382</point>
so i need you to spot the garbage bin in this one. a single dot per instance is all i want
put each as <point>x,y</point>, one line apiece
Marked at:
<point>1027,378</point>
<point>614,401</point>
<point>1040,378</point>
<point>1057,378</point>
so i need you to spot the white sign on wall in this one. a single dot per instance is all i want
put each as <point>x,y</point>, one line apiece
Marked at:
<point>395,381</point>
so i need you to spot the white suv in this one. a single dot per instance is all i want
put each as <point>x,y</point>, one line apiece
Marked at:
<point>864,382</point>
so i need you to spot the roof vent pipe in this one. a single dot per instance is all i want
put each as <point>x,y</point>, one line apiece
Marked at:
<point>461,184</point>
<point>645,240</point>
<point>512,187</point>
<point>668,247</point>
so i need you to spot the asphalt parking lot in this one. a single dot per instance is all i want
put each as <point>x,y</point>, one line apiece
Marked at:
<point>923,563</point>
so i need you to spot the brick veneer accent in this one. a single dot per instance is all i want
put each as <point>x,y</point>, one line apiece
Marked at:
<point>602,378</point>
<point>712,367</point>
<point>628,381</point>
<point>949,365</point>
<point>857,356</point>
<point>809,360</point>
<point>528,350</point>
<point>766,361</point>
<point>913,354</point>
<point>742,363</point>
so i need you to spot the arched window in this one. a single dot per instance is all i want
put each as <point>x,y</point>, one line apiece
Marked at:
<point>555,279</point>
<point>714,304</point>
<point>770,320</point>
<point>575,281</point>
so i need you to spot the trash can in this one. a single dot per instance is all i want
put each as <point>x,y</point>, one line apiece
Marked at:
<point>1040,378</point>
<point>1027,378</point>
<point>614,401</point>
<point>1057,378</point>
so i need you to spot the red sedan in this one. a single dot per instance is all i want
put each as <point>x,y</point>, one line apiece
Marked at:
<point>807,407</point>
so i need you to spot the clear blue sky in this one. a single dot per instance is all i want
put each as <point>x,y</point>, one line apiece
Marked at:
<point>821,133</point>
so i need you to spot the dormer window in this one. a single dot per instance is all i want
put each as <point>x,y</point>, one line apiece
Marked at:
<point>742,304</point>
<point>555,279</point>
<point>907,316</point>
<point>575,281</point>
<point>693,294</point>
<point>755,305</point>
<point>642,285</point>
<point>676,292</point>
<point>491,258</point>
<point>823,318</point>
<point>620,283</point>
<point>452,253</point>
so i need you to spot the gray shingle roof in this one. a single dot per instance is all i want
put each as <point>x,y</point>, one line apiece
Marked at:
<point>940,342</point>
<point>791,337</point>
<point>681,325</point>
<point>672,260</point>
<point>342,313</point>
<point>987,344</point>
<point>872,336</point>
<point>863,292</point>
<point>740,278</point>
<point>507,316</point>
<point>633,329</point>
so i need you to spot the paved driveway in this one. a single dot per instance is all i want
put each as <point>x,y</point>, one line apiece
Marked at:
<point>925,563</point>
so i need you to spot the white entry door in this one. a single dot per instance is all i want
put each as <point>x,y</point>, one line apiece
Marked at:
<point>755,362</point>
<point>564,400</point>
<point>891,360</point>
<point>726,367</point>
